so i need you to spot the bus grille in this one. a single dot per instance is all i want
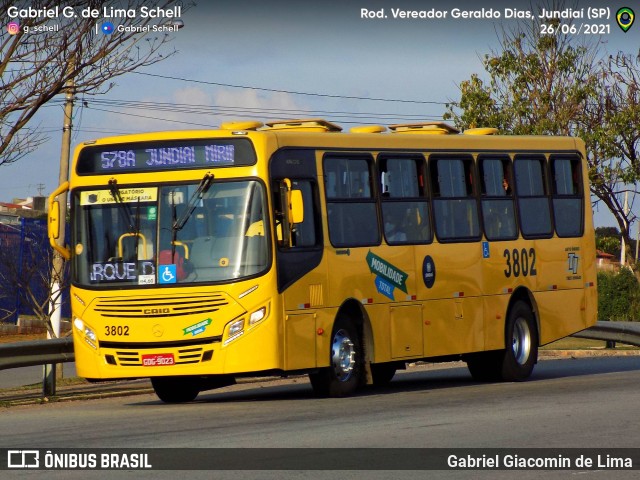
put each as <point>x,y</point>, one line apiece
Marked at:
<point>146,307</point>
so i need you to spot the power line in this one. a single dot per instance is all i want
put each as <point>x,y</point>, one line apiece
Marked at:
<point>254,112</point>
<point>216,109</point>
<point>291,92</point>
<point>154,118</point>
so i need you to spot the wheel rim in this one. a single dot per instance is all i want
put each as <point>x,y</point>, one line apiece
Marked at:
<point>521,341</point>
<point>343,355</point>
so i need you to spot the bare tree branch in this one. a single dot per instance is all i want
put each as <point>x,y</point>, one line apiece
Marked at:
<point>35,67</point>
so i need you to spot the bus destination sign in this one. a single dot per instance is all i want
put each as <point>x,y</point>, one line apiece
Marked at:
<point>156,156</point>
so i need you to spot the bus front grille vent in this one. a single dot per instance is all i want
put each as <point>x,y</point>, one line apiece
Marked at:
<point>145,307</point>
<point>183,356</point>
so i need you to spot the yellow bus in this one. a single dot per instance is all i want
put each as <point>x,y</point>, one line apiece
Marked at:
<point>293,247</point>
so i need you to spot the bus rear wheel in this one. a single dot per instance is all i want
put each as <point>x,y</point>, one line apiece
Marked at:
<point>515,363</point>
<point>175,389</point>
<point>521,353</point>
<point>344,373</point>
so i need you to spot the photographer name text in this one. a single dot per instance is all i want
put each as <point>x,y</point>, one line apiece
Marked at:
<point>88,12</point>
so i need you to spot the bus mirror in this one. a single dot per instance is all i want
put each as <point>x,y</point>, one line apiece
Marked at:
<point>296,207</point>
<point>55,222</point>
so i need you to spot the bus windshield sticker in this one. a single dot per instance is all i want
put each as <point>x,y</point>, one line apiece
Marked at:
<point>428,271</point>
<point>167,274</point>
<point>122,272</point>
<point>197,328</point>
<point>388,277</point>
<point>146,280</point>
<point>128,195</point>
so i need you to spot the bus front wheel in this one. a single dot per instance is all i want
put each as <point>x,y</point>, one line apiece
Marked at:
<point>175,389</point>
<point>344,373</point>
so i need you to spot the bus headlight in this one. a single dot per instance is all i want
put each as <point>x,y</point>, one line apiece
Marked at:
<point>235,330</point>
<point>90,335</point>
<point>79,324</point>
<point>87,332</point>
<point>236,327</point>
<point>257,316</point>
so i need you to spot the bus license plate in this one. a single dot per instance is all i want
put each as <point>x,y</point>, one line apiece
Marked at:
<point>158,360</point>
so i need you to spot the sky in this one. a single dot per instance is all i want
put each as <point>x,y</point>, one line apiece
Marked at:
<point>274,59</point>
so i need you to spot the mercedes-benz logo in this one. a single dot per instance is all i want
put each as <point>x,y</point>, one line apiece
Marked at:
<point>157,330</point>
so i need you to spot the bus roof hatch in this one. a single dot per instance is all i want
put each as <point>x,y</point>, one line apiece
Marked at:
<point>248,125</point>
<point>304,125</point>
<point>432,128</point>
<point>481,131</point>
<point>367,129</point>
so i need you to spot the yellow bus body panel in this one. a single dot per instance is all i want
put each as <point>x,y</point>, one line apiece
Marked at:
<point>463,311</point>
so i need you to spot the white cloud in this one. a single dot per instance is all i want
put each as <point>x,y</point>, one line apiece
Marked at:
<point>194,108</point>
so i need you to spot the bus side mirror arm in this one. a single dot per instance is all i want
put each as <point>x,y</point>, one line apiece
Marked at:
<point>55,222</point>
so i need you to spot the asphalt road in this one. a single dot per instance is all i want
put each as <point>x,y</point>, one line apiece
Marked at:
<point>581,403</point>
<point>17,377</point>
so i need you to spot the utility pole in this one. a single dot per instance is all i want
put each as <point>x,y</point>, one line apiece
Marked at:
<point>637,240</point>
<point>623,249</point>
<point>57,274</point>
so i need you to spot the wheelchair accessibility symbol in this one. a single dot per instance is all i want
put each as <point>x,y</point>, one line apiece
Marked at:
<point>167,274</point>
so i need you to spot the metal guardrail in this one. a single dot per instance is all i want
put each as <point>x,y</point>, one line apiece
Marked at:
<point>623,332</point>
<point>60,350</point>
<point>37,352</point>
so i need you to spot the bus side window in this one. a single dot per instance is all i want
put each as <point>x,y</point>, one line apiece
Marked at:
<point>498,212</point>
<point>405,208</point>
<point>351,207</point>
<point>454,204</point>
<point>533,202</point>
<point>568,202</point>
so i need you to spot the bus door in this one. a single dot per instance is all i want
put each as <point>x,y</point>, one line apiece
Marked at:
<point>299,250</point>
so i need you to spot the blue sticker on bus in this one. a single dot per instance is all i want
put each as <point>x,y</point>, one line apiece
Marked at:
<point>428,271</point>
<point>485,250</point>
<point>167,274</point>
<point>385,288</point>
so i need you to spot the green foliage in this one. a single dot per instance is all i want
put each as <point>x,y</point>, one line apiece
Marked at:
<point>618,296</point>
<point>607,232</point>
<point>609,245</point>
<point>608,240</point>
<point>539,84</point>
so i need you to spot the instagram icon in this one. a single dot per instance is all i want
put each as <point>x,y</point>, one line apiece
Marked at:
<point>13,28</point>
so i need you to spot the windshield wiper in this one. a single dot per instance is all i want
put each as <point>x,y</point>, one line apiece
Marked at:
<point>203,187</point>
<point>179,223</point>
<point>124,208</point>
<point>133,222</point>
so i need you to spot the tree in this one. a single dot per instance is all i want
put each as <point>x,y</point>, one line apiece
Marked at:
<point>36,67</point>
<point>559,84</point>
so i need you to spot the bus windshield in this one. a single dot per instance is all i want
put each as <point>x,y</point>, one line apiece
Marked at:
<point>170,234</point>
